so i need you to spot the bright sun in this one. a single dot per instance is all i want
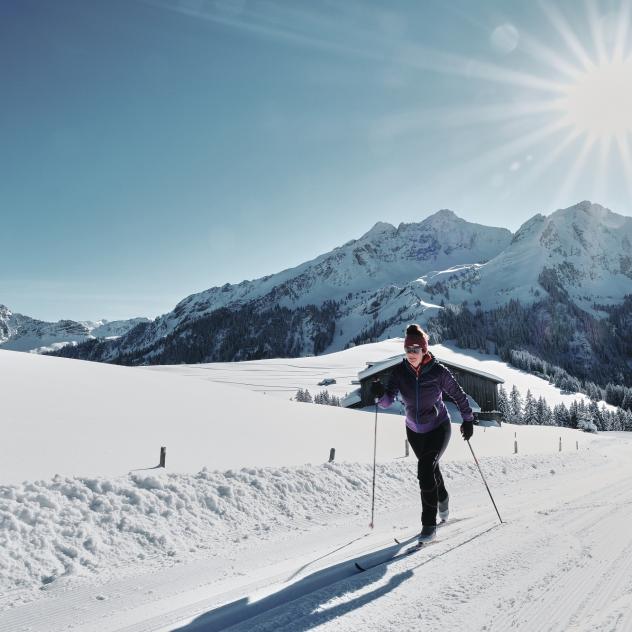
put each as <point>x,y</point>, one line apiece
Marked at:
<point>599,102</point>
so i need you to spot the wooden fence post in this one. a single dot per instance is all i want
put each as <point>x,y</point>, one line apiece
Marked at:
<point>332,455</point>
<point>163,456</point>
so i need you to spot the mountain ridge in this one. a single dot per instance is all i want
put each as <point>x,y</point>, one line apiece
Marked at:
<point>24,333</point>
<point>585,247</point>
<point>369,288</point>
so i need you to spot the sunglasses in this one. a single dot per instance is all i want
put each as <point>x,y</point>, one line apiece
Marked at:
<point>413,349</point>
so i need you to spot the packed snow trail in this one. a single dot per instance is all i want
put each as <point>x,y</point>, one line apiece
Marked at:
<point>566,543</point>
<point>563,561</point>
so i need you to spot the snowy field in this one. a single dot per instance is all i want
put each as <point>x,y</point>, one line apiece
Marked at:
<point>249,527</point>
<point>283,377</point>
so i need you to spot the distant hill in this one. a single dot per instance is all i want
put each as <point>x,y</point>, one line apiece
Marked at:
<point>23,333</point>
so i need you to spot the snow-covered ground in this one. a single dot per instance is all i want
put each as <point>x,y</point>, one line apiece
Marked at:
<point>250,527</point>
<point>100,419</point>
<point>73,417</point>
<point>283,377</point>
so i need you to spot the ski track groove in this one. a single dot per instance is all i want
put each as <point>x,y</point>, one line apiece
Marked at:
<point>400,566</point>
<point>605,592</point>
<point>506,563</point>
<point>534,608</point>
<point>568,576</point>
<point>206,606</point>
<point>306,613</point>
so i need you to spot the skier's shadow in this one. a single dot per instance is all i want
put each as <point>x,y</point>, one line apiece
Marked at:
<point>310,594</point>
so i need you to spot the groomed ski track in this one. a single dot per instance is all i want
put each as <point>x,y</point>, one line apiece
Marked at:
<point>562,561</point>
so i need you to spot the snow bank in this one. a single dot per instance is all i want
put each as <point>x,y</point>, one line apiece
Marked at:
<point>72,526</point>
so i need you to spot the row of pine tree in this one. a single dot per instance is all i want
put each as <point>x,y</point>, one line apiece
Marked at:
<point>589,417</point>
<point>324,397</point>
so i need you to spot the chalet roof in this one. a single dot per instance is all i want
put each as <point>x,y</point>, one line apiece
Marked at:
<point>352,398</point>
<point>378,367</point>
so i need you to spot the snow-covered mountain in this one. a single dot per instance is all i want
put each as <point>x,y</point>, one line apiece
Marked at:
<point>23,333</point>
<point>584,252</point>
<point>321,304</point>
<point>112,328</point>
<point>371,287</point>
<point>384,256</point>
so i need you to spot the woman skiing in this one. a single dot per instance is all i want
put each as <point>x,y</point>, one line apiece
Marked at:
<point>420,380</point>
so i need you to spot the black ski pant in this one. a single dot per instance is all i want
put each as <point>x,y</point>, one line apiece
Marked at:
<point>428,448</point>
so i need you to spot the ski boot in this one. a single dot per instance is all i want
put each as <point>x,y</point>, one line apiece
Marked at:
<point>428,533</point>
<point>444,509</point>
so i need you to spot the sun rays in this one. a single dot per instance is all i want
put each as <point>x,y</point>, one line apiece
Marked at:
<point>595,102</point>
<point>579,103</point>
<point>565,94</point>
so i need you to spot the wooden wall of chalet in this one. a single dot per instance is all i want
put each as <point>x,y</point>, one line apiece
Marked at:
<point>482,389</point>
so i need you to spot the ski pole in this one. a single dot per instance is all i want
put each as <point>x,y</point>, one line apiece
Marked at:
<point>484,481</point>
<point>374,455</point>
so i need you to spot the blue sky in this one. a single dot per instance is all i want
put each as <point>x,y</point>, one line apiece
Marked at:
<point>155,148</point>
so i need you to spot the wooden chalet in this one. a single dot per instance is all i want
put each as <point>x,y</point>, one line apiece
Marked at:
<point>480,386</point>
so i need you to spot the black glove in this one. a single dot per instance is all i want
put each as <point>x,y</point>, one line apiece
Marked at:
<point>467,429</point>
<point>377,389</point>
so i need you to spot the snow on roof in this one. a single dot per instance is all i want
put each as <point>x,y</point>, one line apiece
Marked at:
<point>469,369</point>
<point>352,398</point>
<point>378,367</point>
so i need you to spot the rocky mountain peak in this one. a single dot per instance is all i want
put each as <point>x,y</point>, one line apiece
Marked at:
<point>444,213</point>
<point>379,229</point>
<point>529,228</point>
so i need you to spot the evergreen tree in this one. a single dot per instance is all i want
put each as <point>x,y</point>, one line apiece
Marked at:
<point>596,416</point>
<point>548,328</point>
<point>516,405</point>
<point>544,413</point>
<point>561,416</point>
<point>530,415</point>
<point>303,396</point>
<point>573,414</point>
<point>615,394</point>
<point>593,391</point>
<point>326,399</point>
<point>584,420</point>
<point>504,406</point>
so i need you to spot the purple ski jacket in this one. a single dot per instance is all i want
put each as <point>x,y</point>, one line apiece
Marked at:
<point>422,394</point>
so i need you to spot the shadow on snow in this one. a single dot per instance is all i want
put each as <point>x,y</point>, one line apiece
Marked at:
<point>314,590</point>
